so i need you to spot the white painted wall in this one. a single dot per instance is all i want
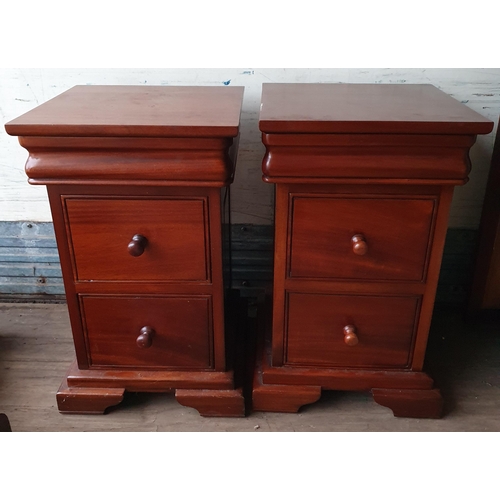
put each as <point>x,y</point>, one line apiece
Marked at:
<point>252,200</point>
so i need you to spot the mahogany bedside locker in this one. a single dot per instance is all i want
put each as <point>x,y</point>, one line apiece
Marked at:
<point>138,180</point>
<point>364,178</point>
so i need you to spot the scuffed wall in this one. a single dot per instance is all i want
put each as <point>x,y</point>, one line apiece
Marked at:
<point>252,200</point>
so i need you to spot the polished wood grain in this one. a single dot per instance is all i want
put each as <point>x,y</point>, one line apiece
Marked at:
<point>434,269</point>
<point>281,246</point>
<point>283,398</point>
<point>176,232</point>
<point>213,403</point>
<point>135,111</point>
<point>134,177</point>
<point>365,108</point>
<point>185,136</point>
<point>340,379</point>
<point>113,326</point>
<point>391,141</point>
<point>411,403</point>
<point>73,288</point>
<point>382,326</point>
<point>364,179</point>
<point>330,165</point>
<point>91,401</point>
<point>84,165</point>
<point>287,389</point>
<point>146,380</point>
<point>391,236</point>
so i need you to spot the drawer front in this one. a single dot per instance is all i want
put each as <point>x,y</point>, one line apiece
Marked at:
<point>350,331</point>
<point>138,239</point>
<point>360,238</point>
<point>148,332</point>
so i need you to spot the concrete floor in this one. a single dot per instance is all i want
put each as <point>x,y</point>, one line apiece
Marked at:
<point>36,349</point>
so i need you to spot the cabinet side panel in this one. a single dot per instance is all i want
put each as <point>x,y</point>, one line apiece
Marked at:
<point>60,229</point>
<point>438,239</point>
<point>280,256</point>
<point>216,264</point>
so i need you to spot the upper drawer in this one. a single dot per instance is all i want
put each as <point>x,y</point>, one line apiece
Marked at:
<point>364,238</point>
<point>138,239</point>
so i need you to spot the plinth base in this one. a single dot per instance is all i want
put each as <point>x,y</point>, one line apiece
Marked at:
<point>287,389</point>
<point>94,391</point>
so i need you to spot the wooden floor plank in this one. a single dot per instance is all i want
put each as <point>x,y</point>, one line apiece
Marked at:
<point>36,350</point>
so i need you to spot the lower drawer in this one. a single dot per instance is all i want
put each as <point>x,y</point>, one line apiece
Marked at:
<point>349,330</point>
<point>148,331</point>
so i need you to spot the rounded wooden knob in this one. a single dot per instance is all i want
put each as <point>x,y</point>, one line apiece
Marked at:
<point>350,337</point>
<point>137,245</point>
<point>359,246</point>
<point>145,339</point>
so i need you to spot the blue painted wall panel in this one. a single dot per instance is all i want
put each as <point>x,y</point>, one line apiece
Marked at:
<point>29,260</point>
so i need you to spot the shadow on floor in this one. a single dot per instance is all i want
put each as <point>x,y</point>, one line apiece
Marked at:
<point>462,355</point>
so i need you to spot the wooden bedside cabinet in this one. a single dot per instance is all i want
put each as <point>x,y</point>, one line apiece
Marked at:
<point>138,181</point>
<point>364,177</point>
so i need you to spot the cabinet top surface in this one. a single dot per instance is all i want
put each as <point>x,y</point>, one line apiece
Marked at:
<point>365,108</point>
<point>135,111</point>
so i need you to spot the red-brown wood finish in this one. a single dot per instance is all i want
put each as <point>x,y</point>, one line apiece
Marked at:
<point>365,109</point>
<point>171,238</point>
<point>135,177</point>
<point>350,331</point>
<point>364,179</point>
<point>135,111</point>
<point>411,403</point>
<point>89,400</point>
<point>390,237</point>
<point>210,403</point>
<point>282,398</point>
<point>148,332</point>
